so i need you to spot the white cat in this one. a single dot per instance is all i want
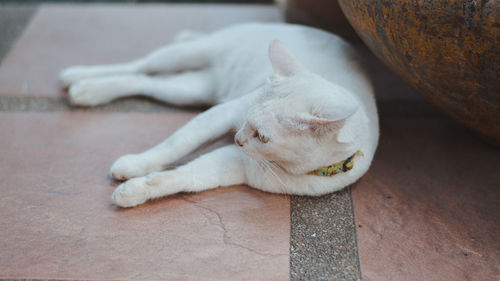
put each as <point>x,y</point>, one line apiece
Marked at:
<point>306,123</point>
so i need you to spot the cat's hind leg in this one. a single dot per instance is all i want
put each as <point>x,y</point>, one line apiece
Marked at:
<point>188,88</point>
<point>74,74</point>
<point>180,56</point>
<point>221,167</point>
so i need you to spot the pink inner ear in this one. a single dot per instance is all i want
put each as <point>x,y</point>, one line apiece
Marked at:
<point>282,60</point>
<point>319,121</point>
<point>336,125</point>
<point>315,122</point>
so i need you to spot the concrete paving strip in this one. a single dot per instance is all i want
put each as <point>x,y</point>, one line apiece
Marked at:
<point>49,104</point>
<point>323,242</point>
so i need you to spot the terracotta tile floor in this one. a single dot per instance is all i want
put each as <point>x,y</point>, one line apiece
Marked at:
<point>427,209</point>
<point>100,34</point>
<point>57,220</point>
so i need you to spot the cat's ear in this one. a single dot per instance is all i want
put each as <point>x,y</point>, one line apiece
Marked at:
<point>328,120</point>
<point>283,62</point>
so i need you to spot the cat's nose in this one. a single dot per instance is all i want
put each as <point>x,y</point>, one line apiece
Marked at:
<point>237,141</point>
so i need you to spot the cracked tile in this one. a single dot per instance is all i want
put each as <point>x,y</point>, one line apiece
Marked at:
<point>57,221</point>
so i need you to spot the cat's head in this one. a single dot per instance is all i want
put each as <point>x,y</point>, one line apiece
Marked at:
<point>299,120</point>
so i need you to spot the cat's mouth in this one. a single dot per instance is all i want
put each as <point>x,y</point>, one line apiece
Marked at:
<point>252,153</point>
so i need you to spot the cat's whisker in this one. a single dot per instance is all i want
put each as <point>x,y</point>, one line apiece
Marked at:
<point>262,165</point>
<point>280,177</point>
<point>270,166</point>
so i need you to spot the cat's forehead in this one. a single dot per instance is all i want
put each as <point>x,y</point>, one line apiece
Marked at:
<point>262,115</point>
<point>270,111</point>
<point>281,104</point>
<point>272,119</point>
<point>300,90</point>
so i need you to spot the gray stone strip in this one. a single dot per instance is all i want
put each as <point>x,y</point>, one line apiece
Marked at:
<point>49,104</point>
<point>13,19</point>
<point>323,242</point>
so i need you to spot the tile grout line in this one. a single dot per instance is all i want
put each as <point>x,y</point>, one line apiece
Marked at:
<point>61,104</point>
<point>358,261</point>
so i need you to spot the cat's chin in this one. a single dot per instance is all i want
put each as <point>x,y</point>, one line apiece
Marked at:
<point>265,161</point>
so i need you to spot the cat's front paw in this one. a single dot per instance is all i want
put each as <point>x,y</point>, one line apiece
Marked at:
<point>89,93</point>
<point>129,166</point>
<point>131,193</point>
<point>73,74</point>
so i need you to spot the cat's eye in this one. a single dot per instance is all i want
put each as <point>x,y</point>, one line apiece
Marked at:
<point>261,137</point>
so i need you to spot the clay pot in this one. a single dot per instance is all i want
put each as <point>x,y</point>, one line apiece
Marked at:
<point>447,50</point>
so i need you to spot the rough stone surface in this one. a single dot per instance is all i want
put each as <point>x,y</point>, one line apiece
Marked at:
<point>323,238</point>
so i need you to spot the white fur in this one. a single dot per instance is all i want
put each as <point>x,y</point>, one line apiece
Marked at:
<point>305,94</point>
